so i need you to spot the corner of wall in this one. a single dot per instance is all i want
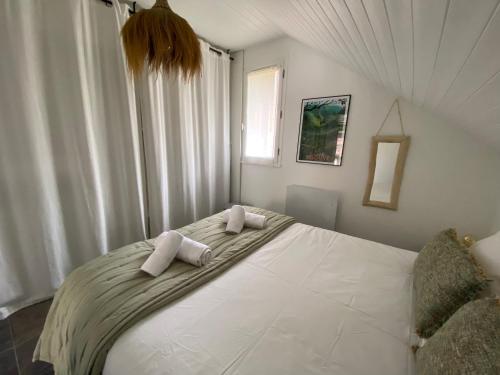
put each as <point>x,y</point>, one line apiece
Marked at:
<point>236,98</point>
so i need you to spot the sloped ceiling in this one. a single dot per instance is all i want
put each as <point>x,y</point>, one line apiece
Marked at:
<point>441,54</point>
<point>230,24</point>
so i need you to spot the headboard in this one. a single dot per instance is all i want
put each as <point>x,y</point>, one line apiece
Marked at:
<point>312,206</point>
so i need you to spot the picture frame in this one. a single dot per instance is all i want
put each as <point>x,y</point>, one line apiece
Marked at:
<point>322,131</point>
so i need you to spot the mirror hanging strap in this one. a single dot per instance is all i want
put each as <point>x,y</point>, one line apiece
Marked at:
<point>395,103</point>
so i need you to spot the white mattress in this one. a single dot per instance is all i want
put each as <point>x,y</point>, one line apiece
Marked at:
<point>311,301</point>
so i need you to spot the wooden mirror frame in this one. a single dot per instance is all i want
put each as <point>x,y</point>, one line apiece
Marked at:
<point>404,142</point>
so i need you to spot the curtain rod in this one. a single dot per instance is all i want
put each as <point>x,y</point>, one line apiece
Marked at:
<point>215,50</point>
<point>133,8</point>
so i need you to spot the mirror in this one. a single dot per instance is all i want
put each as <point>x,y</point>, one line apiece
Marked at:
<point>387,162</point>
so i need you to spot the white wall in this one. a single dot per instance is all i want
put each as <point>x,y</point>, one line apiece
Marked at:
<point>496,223</point>
<point>450,179</point>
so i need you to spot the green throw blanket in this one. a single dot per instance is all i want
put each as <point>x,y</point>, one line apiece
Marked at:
<point>103,298</point>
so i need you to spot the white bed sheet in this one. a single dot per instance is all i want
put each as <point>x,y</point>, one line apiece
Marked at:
<point>311,301</point>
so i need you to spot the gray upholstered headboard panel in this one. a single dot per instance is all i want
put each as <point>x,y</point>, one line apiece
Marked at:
<point>312,206</point>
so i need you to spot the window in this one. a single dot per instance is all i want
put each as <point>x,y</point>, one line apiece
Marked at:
<point>262,116</point>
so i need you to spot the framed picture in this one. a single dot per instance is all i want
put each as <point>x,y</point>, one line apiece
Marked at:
<point>323,124</point>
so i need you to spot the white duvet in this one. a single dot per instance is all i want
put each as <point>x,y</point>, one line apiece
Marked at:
<point>311,301</point>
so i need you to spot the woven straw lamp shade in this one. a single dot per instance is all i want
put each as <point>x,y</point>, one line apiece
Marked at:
<point>162,40</point>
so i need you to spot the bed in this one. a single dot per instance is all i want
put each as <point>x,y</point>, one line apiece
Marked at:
<point>310,301</point>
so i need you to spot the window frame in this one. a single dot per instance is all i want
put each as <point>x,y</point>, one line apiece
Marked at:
<point>276,160</point>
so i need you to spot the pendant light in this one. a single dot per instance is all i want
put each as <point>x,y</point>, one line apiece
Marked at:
<point>163,41</point>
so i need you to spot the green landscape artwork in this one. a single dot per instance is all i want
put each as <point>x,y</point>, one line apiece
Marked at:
<point>322,129</point>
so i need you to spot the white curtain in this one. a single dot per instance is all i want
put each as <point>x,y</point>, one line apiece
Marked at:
<point>74,182</point>
<point>70,159</point>
<point>186,133</point>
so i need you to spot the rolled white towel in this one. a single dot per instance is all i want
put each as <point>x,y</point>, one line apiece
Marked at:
<point>251,220</point>
<point>167,247</point>
<point>194,253</point>
<point>236,219</point>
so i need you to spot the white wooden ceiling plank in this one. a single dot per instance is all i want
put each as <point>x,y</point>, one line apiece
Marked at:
<point>349,22</point>
<point>344,34</point>
<point>380,24</point>
<point>465,23</point>
<point>300,33</point>
<point>482,100</point>
<point>297,26</point>
<point>318,29</point>
<point>313,29</point>
<point>362,22</point>
<point>343,13</point>
<point>317,21</point>
<point>308,33</point>
<point>429,20</point>
<point>483,62</point>
<point>288,20</point>
<point>330,28</point>
<point>480,112</point>
<point>400,17</point>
